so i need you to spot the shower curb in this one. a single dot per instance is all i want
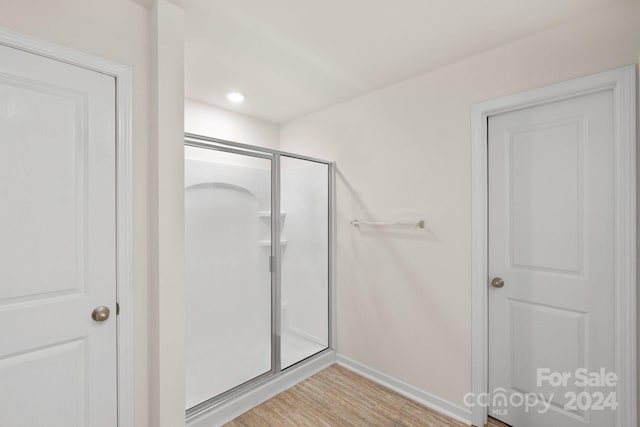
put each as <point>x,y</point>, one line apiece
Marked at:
<point>236,406</point>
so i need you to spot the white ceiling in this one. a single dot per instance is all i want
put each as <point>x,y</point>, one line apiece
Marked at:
<point>293,57</point>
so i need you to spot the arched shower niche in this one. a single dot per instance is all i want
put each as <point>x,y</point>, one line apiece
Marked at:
<point>258,230</point>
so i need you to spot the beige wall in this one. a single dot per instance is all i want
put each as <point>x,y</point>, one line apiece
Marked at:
<point>207,120</point>
<point>403,152</point>
<point>116,30</point>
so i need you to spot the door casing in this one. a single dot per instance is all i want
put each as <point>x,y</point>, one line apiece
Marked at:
<point>124,280</point>
<point>622,83</point>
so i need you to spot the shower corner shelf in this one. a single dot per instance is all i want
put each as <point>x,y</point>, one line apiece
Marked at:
<point>268,242</point>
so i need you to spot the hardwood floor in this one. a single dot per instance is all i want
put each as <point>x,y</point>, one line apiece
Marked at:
<point>337,396</point>
<point>496,423</point>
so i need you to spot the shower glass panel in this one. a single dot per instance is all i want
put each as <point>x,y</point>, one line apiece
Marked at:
<point>304,203</point>
<point>228,291</point>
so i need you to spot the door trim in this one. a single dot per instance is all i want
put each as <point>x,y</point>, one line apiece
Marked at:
<point>622,81</point>
<point>124,278</point>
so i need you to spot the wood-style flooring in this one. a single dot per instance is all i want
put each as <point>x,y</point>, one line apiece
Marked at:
<point>338,397</point>
<point>495,423</point>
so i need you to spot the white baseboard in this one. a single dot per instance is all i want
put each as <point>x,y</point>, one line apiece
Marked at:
<point>229,410</point>
<point>445,407</point>
<point>233,408</point>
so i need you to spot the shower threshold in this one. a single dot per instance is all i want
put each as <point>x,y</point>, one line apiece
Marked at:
<point>227,406</point>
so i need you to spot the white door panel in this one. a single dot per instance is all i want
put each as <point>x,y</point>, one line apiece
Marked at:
<point>551,239</point>
<point>57,243</point>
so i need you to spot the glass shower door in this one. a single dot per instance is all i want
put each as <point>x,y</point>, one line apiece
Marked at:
<point>304,201</point>
<point>228,278</point>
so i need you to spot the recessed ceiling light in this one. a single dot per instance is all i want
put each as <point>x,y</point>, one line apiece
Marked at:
<point>235,97</point>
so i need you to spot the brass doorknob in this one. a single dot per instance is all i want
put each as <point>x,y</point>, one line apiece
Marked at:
<point>497,282</point>
<point>100,314</point>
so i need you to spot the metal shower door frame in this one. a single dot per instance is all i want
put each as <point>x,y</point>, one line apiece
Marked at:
<point>275,263</point>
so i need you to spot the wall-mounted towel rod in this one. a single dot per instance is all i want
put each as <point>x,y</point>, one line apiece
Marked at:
<point>419,224</point>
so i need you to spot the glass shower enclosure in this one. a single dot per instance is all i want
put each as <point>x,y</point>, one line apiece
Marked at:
<point>258,235</point>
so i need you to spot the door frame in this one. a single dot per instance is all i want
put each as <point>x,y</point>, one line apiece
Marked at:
<point>124,278</point>
<point>622,82</point>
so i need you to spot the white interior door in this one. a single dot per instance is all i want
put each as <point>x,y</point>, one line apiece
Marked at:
<point>57,244</point>
<point>551,241</point>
